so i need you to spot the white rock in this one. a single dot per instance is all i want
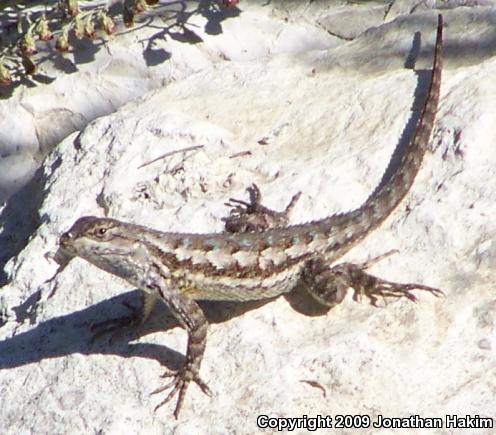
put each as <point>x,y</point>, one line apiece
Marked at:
<point>332,131</point>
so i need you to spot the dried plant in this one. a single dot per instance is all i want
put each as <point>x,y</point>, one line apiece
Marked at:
<point>28,24</point>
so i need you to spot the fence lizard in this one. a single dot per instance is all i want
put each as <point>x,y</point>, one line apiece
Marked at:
<point>261,257</point>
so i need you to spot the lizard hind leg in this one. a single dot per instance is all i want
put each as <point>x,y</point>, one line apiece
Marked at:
<point>252,216</point>
<point>328,285</point>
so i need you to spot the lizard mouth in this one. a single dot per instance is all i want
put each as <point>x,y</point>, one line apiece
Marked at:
<point>64,253</point>
<point>66,243</point>
<point>65,239</point>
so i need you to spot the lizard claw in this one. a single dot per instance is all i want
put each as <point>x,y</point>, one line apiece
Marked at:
<point>371,287</point>
<point>179,383</point>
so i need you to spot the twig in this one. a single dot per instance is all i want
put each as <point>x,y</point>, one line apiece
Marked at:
<point>170,153</point>
<point>240,154</point>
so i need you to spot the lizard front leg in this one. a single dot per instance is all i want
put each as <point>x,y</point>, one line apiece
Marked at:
<point>191,318</point>
<point>328,285</point>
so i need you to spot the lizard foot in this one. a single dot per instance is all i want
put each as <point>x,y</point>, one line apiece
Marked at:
<point>179,384</point>
<point>329,285</point>
<point>252,216</point>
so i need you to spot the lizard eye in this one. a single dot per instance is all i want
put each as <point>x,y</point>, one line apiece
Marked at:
<point>100,232</point>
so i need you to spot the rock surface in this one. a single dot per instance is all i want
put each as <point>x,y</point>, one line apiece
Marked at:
<point>322,120</point>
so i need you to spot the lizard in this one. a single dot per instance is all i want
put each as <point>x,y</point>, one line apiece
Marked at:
<point>260,256</point>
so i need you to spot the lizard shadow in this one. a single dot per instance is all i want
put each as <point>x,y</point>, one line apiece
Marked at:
<point>72,333</point>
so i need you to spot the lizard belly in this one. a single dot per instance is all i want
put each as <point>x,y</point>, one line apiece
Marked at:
<point>230,288</point>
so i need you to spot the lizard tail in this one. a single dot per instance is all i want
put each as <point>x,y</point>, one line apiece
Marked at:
<point>389,193</point>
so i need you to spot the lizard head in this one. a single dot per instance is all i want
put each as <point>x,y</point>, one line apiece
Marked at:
<point>90,236</point>
<point>106,243</point>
